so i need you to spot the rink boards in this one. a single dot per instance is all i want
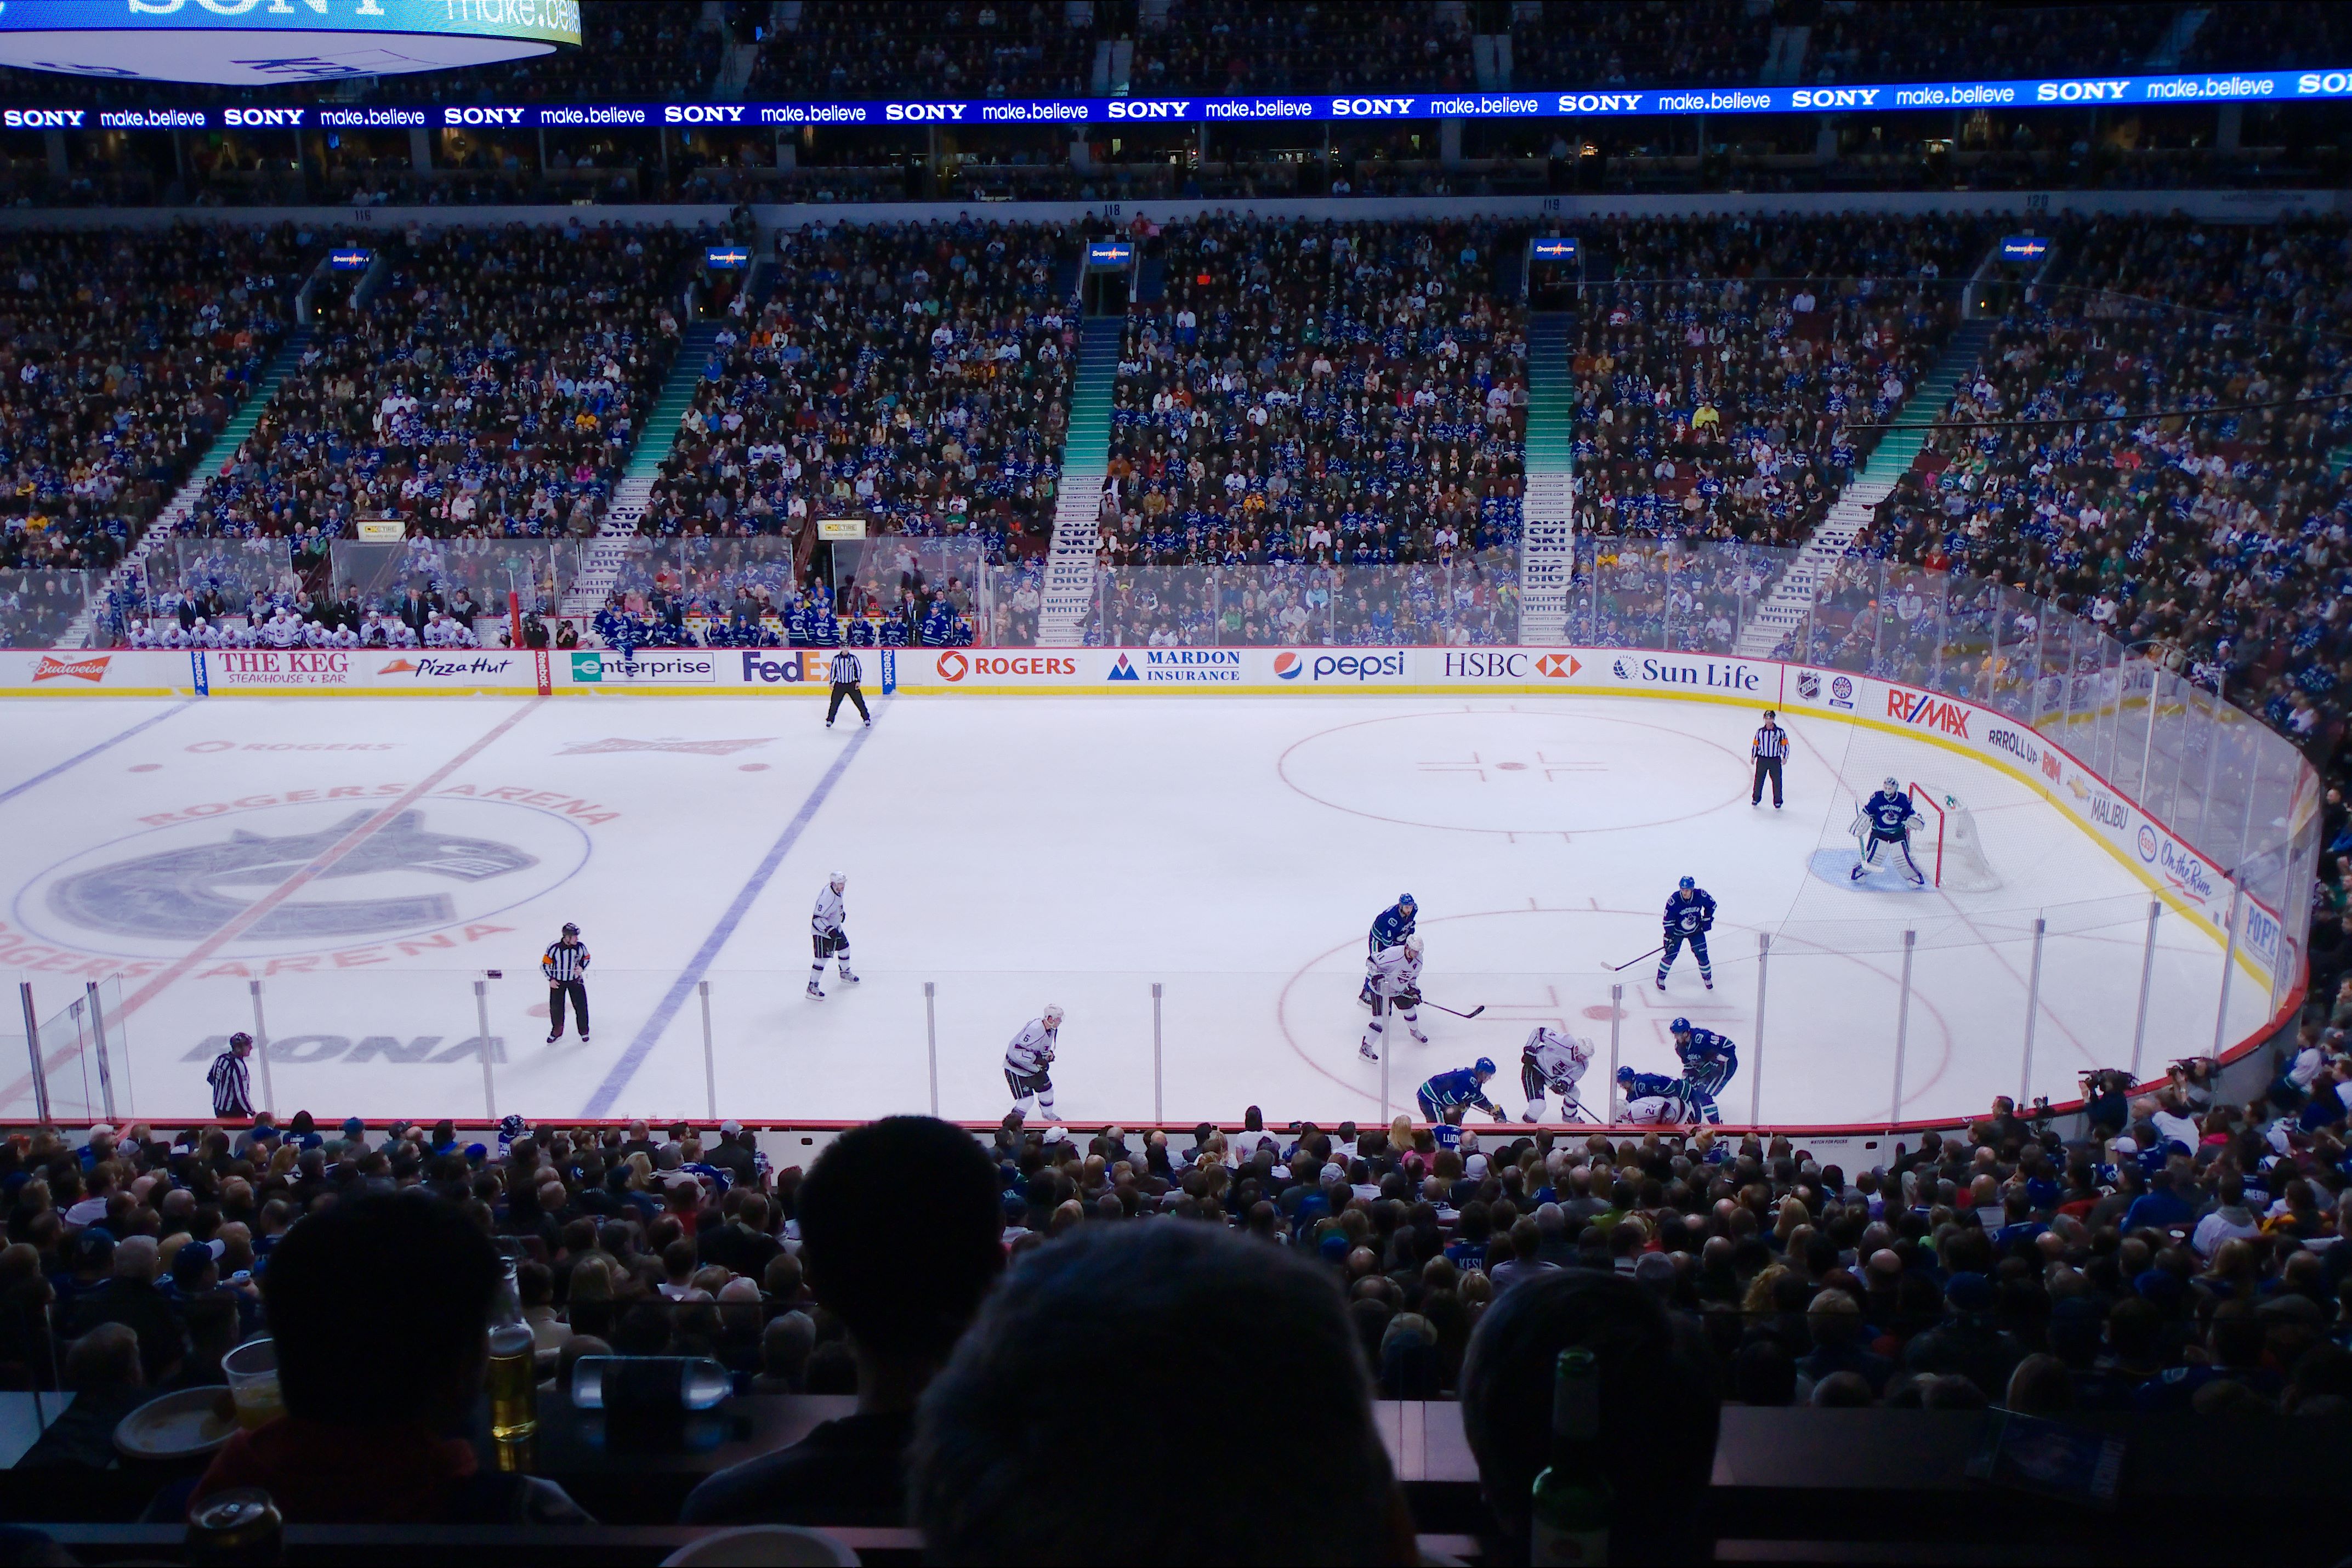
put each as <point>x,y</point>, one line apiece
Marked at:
<point>2187,879</point>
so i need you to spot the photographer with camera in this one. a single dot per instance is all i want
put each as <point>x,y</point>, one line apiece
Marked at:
<point>2106,1101</point>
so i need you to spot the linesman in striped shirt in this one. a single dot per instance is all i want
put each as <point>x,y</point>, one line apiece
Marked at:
<point>232,1081</point>
<point>1769,747</point>
<point>565,964</point>
<point>846,673</point>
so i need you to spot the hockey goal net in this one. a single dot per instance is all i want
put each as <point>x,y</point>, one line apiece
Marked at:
<point>1950,851</point>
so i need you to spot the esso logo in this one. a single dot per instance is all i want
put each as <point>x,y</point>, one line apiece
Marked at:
<point>952,666</point>
<point>2147,843</point>
<point>1288,665</point>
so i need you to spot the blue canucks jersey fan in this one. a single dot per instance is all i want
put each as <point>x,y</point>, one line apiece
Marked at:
<point>1886,817</point>
<point>1708,1061</point>
<point>1690,915</point>
<point>1459,1090</point>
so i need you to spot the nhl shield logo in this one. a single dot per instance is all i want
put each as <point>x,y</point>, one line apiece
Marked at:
<point>1808,686</point>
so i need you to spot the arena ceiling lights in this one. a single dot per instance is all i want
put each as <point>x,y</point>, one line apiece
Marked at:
<point>257,43</point>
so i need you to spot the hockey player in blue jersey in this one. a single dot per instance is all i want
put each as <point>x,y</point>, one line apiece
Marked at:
<point>1462,1087</point>
<point>1651,1099</point>
<point>1708,1061</point>
<point>1690,915</point>
<point>1390,928</point>
<point>1886,817</point>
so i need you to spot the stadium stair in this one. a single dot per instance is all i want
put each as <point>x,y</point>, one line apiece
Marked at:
<point>1069,596</point>
<point>2186,26</point>
<point>1784,605</point>
<point>1784,59</point>
<point>217,457</point>
<point>1548,511</point>
<point>601,563</point>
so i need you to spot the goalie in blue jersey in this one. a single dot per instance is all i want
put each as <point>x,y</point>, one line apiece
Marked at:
<point>1886,817</point>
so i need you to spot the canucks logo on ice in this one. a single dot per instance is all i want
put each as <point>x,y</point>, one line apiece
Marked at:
<point>192,892</point>
<point>449,861</point>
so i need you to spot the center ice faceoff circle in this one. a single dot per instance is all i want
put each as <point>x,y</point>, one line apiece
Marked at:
<point>1513,771</point>
<point>444,862</point>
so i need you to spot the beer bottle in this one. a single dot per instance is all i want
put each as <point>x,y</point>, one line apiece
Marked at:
<point>514,1369</point>
<point>1568,1518</point>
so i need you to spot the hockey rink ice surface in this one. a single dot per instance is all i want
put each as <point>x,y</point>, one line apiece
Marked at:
<point>1014,851</point>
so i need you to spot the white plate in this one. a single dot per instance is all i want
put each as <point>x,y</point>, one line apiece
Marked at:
<point>177,1426</point>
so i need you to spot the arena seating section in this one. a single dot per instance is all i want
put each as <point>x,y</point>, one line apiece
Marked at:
<point>1317,435</point>
<point>493,385</point>
<point>2220,540</point>
<point>965,48</point>
<point>1233,46</point>
<point>121,353</point>
<point>1717,409</point>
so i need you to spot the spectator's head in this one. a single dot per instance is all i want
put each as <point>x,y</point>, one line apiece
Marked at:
<point>784,1347</point>
<point>106,1357</point>
<point>1658,1401</point>
<point>1215,1333</point>
<point>380,1309</point>
<point>901,1234</point>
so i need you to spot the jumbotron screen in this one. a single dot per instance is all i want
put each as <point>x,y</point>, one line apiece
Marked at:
<point>255,43</point>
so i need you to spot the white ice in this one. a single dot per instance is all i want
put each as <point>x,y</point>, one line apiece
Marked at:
<point>1010,852</point>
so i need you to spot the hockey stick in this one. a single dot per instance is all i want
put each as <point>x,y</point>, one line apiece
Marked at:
<point>1442,1009</point>
<point>1615,968</point>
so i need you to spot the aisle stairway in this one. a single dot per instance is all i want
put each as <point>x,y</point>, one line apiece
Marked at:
<point>1548,510</point>
<point>1783,607</point>
<point>601,562</point>
<point>1069,596</point>
<point>217,457</point>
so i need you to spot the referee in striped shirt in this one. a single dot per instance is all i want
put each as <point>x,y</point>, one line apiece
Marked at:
<point>565,964</point>
<point>232,1082</point>
<point>1769,747</point>
<point>846,673</point>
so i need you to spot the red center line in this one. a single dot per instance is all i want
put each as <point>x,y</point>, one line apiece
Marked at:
<point>252,914</point>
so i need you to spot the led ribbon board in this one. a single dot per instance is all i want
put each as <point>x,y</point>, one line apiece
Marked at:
<point>257,43</point>
<point>162,40</point>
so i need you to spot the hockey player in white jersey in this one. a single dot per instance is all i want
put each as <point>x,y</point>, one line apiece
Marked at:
<point>1029,1060</point>
<point>1552,1063</point>
<point>1392,977</point>
<point>826,934</point>
<point>1886,817</point>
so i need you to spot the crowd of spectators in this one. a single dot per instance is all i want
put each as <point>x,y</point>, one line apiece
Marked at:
<point>2267,34</point>
<point>1909,41</point>
<point>2182,1253</point>
<point>1320,393</point>
<point>121,353</point>
<point>492,386</point>
<point>890,48</point>
<point>1624,43</point>
<point>1245,46</point>
<point>1718,377</point>
<point>916,375</point>
<point>2220,540</point>
<point>746,593</point>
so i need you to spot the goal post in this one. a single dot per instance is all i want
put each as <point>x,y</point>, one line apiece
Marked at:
<point>1953,852</point>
